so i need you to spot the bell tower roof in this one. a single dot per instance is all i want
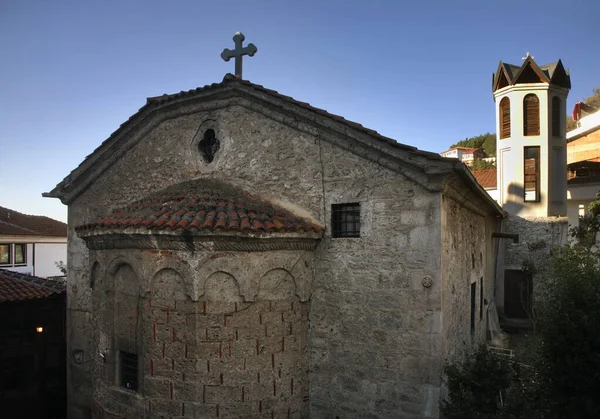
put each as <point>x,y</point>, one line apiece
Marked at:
<point>530,72</point>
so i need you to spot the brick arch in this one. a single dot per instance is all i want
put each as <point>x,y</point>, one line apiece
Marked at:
<point>183,269</point>
<point>276,284</point>
<point>230,267</point>
<point>167,286</point>
<point>222,286</point>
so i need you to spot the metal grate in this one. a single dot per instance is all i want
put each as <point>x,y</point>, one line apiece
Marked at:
<point>129,370</point>
<point>345,220</point>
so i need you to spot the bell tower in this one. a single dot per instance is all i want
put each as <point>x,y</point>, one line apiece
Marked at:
<point>531,145</point>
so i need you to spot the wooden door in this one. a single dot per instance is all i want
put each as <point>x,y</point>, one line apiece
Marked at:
<point>517,293</point>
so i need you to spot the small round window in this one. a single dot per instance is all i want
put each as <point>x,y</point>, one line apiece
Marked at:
<point>209,146</point>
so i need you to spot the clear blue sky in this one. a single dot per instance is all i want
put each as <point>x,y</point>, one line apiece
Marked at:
<point>419,72</point>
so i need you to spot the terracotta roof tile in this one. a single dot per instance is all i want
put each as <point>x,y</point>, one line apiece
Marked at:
<point>486,178</point>
<point>15,223</point>
<point>15,286</point>
<point>202,204</point>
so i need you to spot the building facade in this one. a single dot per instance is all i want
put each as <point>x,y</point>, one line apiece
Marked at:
<point>32,244</point>
<point>236,253</point>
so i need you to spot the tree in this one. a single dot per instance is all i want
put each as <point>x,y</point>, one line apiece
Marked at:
<point>485,141</point>
<point>593,101</point>
<point>569,356</point>
<point>480,164</point>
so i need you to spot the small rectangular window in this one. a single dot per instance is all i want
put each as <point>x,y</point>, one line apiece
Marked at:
<point>473,306</point>
<point>5,258</point>
<point>481,298</point>
<point>20,254</point>
<point>581,210</point>
<point>345,220</point>
<point>531,171</point>
<point>129,370</point>
<point>556,117</point>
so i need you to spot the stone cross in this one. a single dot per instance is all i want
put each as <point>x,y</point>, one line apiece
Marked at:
<point>527,56</point>
<point>238,52</point>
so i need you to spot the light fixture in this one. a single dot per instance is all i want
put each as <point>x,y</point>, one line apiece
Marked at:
<point>39,329</point>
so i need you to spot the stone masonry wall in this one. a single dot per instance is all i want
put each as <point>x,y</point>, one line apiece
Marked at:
<point>538,237</point>
<point>374,351</point>
<point>468,259</point>
<point>219,356</point>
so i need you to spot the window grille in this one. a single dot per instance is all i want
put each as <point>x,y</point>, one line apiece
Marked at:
<point>345,220</point>
<point>129,370</point>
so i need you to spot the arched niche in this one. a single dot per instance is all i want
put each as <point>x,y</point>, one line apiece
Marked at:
<point>221,286</point>
<point>276,284</point>
<point>167,287</point>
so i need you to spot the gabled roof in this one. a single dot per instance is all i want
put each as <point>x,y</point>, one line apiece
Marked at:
<point>414,163</point>
<point>202,205</point>
<point>100,159</point>
<point>486,178</point>
<point>16,286</point>
<point>13,223</point>
<point>530,72</point>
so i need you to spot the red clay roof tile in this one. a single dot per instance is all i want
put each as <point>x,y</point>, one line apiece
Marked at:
<point>17,224</point>
<point>15,286</point>
<point>486,178</point>
<point>202,204</point>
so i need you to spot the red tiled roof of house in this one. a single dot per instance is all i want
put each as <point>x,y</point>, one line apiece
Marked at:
<point>15,286</point>
<point>206,205</point>
<point>486,178</point>
<point>16,224</point>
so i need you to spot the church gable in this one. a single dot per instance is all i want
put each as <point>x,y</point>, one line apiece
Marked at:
<point>207,103</point>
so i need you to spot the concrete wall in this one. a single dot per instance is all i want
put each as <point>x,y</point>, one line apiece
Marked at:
<point>373,340</point>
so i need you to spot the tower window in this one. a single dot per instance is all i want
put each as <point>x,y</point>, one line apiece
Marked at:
<point>531,171</point>
<point>531,115</point>
<point>505,118</point>
<point>129,370</point>
<point>209,145</point>
<point>345,220</point>
<point>556,114</point>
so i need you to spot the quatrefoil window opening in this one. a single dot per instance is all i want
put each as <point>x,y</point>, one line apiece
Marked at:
<point>209,146</point>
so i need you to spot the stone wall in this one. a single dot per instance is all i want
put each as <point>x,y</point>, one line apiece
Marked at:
<point>538,237</point>
<point>469,261</point>
<point>221,355</point>
<point>373,338</point>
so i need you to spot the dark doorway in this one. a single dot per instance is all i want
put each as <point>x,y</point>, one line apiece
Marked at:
<point>517,293</point>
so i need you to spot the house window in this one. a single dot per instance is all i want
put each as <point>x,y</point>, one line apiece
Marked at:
<point>505,118</point>
<point>345,220</point>
<point>556,116</point>
<point>129,370</point>
<point>581,210</point>
<point>5,258</point>
<point>531,115</point>
<point>532,174</point>
<point>20,254</point>
<point>209,146</point>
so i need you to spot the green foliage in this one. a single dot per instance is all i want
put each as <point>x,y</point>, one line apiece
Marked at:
<point>485,141</point>
<point>476,386</point>
<point>62,266</point>
<point>585,232</point>
<point>569,357</point>
<point>480,164</point>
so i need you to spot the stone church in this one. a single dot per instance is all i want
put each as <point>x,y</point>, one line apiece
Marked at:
<point>236,253</point>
